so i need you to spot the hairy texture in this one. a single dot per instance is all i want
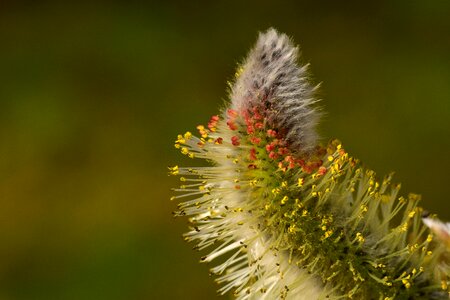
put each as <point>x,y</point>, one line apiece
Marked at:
<point>271,79</point>
<point>289,219</point>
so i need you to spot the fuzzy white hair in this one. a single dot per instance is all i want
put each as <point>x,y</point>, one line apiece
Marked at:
<point>271,78</point>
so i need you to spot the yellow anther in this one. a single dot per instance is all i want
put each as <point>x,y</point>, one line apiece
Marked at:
<point>184,150</point>
<point>284,200</point>
<point>406,283</point>
<point>239,72</point>
<point>429,238</point>
<point>411,214</point>
<point>180,139</point>
<point>429,253</point>
<point>300,182</point>
<point>275,191</point>
<point>187,135</point>
<point>404,227</point>
<point>191,155</point>
<point>328,233</point>
<point>284,184</point>
<point>235,160</point>
<point>444,285</point>
<point>174,170</point>
<point>364,208</point>
<point>330,158</point>
<point>360,237</point>
<point>414,247</point>
<point>253,182</point>
<point>291,229</point>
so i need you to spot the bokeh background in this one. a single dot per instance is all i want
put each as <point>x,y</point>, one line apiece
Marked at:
<point>93,95</point>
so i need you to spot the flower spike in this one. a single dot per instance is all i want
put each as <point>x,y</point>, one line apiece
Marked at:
<point>289,218</point>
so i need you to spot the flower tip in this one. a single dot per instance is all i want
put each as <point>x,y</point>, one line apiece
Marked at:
<point>272,82</point>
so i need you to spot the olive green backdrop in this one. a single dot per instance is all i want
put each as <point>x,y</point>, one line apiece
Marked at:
<point>93,95</point>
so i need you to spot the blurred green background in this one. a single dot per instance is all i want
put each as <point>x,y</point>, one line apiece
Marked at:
<point>93,95</point>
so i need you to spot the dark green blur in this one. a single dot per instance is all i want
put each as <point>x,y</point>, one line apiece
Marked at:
<point>93,96</point>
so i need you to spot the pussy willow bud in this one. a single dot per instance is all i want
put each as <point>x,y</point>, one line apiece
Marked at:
<point>290,218</point>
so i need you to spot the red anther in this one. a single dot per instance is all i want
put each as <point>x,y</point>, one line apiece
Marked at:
<point>252,166</point>
<point>231,125</point>
<point>271,133</point>
<point>322,171</point>
<point>273,155</point>
<point>255,140</point>
<point>307,169</point>
<point>289,158</point>
<point>256,114</point>
<point>269,147</point>
<point>301,162</point>
<point>213,122</point>
<point>218,140</point>
<point>253,154</point>
<point>235,141</point>
<point>282,151</point>
<point>259,125</point>
<point>291,165</point>
<point>232,114</point>
<point>250,129</point>
<point>341,152</point>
